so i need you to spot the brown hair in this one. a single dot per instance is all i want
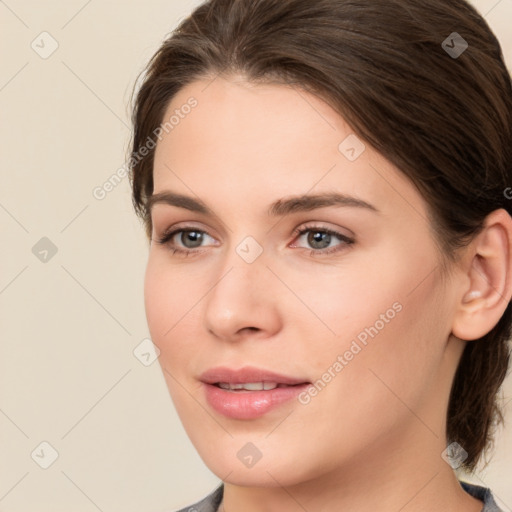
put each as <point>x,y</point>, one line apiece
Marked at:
<point>444,120</point>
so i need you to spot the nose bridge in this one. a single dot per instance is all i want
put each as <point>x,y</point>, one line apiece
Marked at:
<point>241,296</point>
<point>246,261</point>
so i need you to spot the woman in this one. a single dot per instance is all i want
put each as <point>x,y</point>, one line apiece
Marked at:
<point>324,188</point>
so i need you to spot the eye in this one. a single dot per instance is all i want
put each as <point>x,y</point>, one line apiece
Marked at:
<point>322,240</point>
<point>190,240</point>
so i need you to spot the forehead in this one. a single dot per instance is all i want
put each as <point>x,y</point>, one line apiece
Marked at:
<point>242,139</point>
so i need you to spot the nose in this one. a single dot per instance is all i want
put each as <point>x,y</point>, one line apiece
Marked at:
<point>243,301</point>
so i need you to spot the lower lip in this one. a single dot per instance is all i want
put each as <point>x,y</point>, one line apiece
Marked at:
<point>247,405</point>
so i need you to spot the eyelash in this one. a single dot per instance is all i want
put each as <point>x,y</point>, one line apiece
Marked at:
<point>347,241</point>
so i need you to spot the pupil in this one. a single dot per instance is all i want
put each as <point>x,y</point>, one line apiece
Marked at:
<point>318,237</point>
<point>192,236</point>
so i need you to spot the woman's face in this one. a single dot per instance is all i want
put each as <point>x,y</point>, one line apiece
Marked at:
<point>355,305</point>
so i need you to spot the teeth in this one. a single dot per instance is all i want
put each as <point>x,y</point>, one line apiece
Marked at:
<point>249,386</point>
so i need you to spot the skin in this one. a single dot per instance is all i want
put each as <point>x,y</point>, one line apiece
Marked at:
<point>372,438</point>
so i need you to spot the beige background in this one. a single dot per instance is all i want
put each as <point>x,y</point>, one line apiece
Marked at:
<point>69,326</point>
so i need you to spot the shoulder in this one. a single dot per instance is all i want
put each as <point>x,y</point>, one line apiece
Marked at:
<point>483,494</point>
<point>208,504</point>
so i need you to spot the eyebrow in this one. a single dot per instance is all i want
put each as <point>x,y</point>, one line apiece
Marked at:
<point>281,207</point>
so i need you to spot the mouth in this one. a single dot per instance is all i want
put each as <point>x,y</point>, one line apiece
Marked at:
<point>249,378</point>
<point>253,386</point>
<point>249,393</point>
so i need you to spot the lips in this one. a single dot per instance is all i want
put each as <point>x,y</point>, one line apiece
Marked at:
<point>248,393</point>
<point>247,375</point>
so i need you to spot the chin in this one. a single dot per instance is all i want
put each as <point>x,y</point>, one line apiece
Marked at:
<point>273,472</point>
<point>253,477</point>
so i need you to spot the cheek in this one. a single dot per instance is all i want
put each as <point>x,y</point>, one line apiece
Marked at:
<point>386,319</point>
<point>169,299</point>
<point>391,356</point>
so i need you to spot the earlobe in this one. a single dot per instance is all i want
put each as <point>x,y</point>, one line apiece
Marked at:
<point>489,270</point>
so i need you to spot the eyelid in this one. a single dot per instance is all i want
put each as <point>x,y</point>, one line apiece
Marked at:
<point>342,232</point>
<point>184,226</point>
<point>169,233</point>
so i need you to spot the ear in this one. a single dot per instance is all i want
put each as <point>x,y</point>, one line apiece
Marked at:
<point>488,265</point>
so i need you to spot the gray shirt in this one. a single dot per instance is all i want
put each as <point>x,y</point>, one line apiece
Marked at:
<point>212,501</point>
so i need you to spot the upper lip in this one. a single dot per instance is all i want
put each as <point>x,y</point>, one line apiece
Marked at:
<point>246,374</point>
